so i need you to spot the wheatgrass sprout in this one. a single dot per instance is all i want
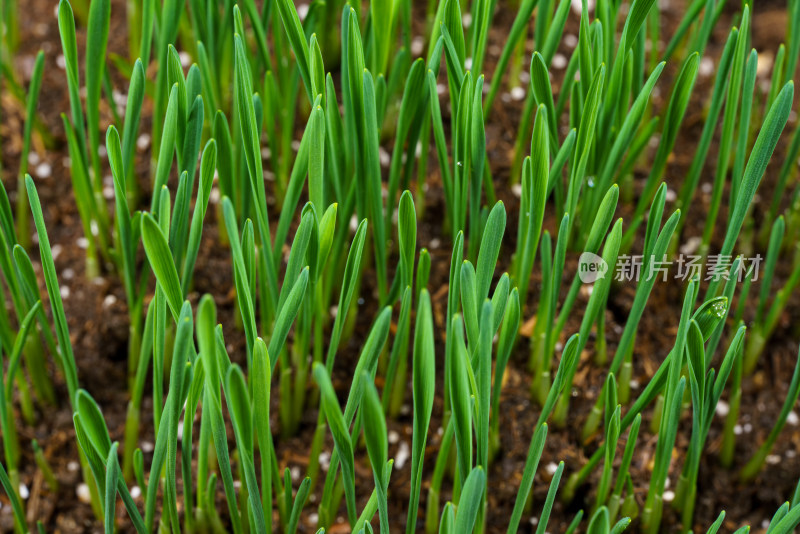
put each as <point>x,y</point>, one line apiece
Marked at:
<point>297,139</point>
<point>23,220</point>
<point>83,128</point>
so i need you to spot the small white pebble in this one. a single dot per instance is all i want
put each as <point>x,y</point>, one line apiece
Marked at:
<point>468,63</point>
<point>706,67</point>
<point>466,18</point>
<point>83,243</point>
<point>61,62</point>
<point>295,145</point>
<point>634,384</point>
<point>403,454</point>
<point>737,429</point>
<point>83,493</point>
<point>747,428</point>
<point>56,251</point>
<point>295,471</point>
<point>73,466</point>
<point>404,409</point>
<point>691,245</point>
<point>791,453</point>
<point>215,196</point>
<point>102,151</point>
<point>384,157</point>
<point>313,518</point>
<point>266,153</point>
<point>671,195</point>
<point>65,292</point>
<point>669,496</point>
<point>325,460</point>
<point>302,11</point>
<point>435,243</point>
<point>534,521</point>
<point>570,40</point>
<point>706,188</point>
<point>44,170</point>
<point>773,459</point>
<point>108,193</point>
<point>417,45</point>
<point>517,93</point>
<point>394,437</point>
<point>764,65</point>
<point>24,493</point>
<point>142,142</point>
<point>792,419</point>
<point>516,190</point>
<point>120,99</point>
<point>136,492</point>
<point>237,484</point>
<point>723,408</point>
<point>589,289</point>
<point>33,158</point>
<point>186,59</point>
<point>147,447</point>
<point>559,61</point>
<point>551,468</point>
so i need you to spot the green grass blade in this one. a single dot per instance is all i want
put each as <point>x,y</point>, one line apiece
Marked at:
<point>160,257</point>
<point>470,501</point>
<point>112,474</point>
<point>54,293</point>
<point>96,43</point>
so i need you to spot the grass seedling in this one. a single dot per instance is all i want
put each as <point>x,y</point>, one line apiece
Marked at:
<point>304,164</point>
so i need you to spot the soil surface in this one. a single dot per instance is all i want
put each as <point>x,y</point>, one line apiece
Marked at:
<point>98,316</point>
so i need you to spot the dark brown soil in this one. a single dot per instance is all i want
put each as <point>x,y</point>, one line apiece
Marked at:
<point>98,318</point>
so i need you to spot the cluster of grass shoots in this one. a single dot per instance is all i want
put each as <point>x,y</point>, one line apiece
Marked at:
<point>344,220</point>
